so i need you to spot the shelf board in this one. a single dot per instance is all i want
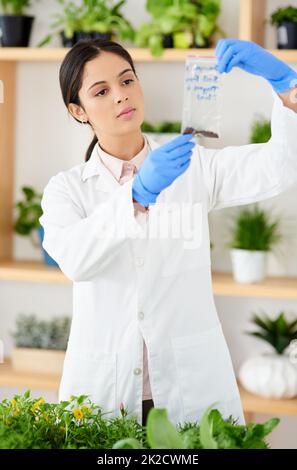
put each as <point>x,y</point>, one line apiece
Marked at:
<point>272,287</point>
<point>46,54</point>
<point>254,404</point>
<point>250,403</point>
<point>31,271</point>
<point>36,54</point>
<point>10,378</point>
<point>223,283</point>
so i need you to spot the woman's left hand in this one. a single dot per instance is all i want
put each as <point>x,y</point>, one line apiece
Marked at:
<point>254,59</point>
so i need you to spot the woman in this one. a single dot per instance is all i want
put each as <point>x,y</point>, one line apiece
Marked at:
<point>145,330</point>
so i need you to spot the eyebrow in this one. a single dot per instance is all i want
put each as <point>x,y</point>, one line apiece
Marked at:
<point>104,81</point>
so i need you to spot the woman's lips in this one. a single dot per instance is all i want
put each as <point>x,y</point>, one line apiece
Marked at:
<point>128,115</point>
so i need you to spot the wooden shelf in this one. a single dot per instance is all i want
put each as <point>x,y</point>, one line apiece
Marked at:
<point>35,54</point>
<point>10,378</point>
<point>250,403</point>
<point>254,404</point>
<point>31,271</point>
<point>223,283</point>
<point>272,287</point>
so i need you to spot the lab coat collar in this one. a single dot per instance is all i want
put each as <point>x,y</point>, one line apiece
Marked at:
<point>94,167</point>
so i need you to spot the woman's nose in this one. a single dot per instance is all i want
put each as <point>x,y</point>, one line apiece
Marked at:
<point>119,100</point>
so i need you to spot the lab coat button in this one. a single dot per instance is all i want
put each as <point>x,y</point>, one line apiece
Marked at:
<point>140,315</point>
<point>139,262</point>
<point>137,371</point>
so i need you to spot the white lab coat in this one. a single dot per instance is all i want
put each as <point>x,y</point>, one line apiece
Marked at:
<point>130,287</point>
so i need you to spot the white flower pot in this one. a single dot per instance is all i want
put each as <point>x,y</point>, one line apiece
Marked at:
<point>270,376</point>
<point>248,266</point>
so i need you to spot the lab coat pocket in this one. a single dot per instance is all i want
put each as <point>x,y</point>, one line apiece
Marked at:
<point>204,370</point>
<point>90,375</point>
<point>185,245</point>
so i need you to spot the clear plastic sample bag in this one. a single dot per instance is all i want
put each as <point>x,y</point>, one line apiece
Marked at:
<point>201,113</point>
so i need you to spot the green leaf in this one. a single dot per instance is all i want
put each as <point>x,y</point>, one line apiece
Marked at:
<point>128,443</point>
<point>161,433</point>
<point>206,430</point>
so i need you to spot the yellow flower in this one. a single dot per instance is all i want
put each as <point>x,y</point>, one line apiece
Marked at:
<point>37,404</point>
<point>13,402</point>
<point>86,409</point>
<point>16,413</point>
<point>78,414</point>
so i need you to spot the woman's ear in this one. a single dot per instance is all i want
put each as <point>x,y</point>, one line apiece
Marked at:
<point>77,112</point>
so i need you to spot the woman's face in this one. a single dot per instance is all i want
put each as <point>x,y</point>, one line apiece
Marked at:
<point>109,85</point>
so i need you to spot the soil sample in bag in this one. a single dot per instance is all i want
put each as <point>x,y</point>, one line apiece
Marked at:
<point>201,103</point>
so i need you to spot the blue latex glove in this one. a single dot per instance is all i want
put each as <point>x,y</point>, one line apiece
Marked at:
<point>161,167</point>
<point>254,59</point>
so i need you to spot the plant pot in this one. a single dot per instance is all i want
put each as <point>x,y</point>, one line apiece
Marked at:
<point>287,35</point>
<point>83,36</point>
<point>167,41</point>
<point>47,258</point>
<point>206,45</point>
<point>248,266</point>
<point>68,42</point>
<point>39,361</point>
<point>16,30</point>
<point>270,376</point>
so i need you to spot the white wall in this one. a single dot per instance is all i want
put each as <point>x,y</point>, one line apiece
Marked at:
<point>47,141</point>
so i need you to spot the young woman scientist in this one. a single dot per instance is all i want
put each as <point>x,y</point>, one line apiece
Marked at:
<point>145,330</point>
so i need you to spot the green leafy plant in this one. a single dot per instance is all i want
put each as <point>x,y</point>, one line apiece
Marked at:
<point>188,21</point>
<point>260,131</point>
<point>27,423</point>
<point>279,333</point>
<point>32,332</point>
<point>90,16</point>
<point>253,230</point>
<point>14,7</point>
<point>28,213</point>
<point>164,126</point>
<point>284,14</point>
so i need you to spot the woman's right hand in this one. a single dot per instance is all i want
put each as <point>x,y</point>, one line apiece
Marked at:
<point>161,167</point>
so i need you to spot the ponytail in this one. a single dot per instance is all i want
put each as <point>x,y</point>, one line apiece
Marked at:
<point>91,148</point>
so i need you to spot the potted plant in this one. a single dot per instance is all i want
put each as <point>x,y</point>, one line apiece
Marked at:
<point>179,24</point>
<point>272,375</point>
<point>79,423</point>
<point>161,131</point>
<point>285,20</point>
<point>40,345</point>
<point>92,19</point>
<point>27,220</point>
<point>260,131</point>
<point>15,26</point>
<point>254,235</point>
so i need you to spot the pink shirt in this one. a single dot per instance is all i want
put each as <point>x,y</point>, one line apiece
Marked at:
<point>123,171</point>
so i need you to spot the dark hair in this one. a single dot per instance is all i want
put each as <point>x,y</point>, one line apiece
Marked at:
<point>72,67</point>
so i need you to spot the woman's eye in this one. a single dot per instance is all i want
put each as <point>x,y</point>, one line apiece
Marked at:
<point>100,93</point>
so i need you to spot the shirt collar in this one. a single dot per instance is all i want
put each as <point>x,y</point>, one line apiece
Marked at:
<point>115,165</point>
<point>94,166</point>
